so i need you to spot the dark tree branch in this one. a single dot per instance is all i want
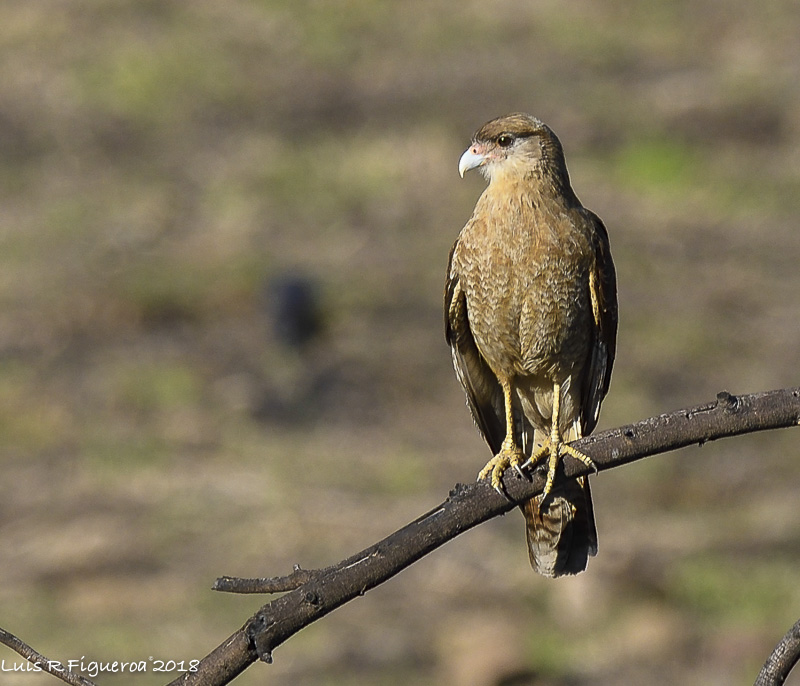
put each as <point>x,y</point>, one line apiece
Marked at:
<point>273,584</point>
<point>782,659</point>
<point>321,591</point>
<point>50,666</point>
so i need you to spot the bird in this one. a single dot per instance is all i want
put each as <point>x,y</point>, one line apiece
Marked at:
<point>531,320</point>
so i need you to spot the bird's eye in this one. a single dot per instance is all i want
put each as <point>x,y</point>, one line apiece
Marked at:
<point>505,140</point>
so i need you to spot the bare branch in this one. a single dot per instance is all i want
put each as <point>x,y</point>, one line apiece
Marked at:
<point>273,584</point>
<point>50,666</point>
<point>466,507</point>
<point>782,659</point>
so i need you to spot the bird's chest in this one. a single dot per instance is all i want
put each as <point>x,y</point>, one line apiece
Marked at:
<point>527,298</point>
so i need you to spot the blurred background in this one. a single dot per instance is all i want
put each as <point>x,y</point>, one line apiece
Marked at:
<point>224,228</point>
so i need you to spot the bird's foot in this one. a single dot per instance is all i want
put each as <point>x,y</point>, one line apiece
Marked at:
<point>509,456</point>
<point>555,448</point>
<point>578,455</point>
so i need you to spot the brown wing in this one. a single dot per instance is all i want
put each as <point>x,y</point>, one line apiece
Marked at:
<point>603,287</point>
<point>484,395</point>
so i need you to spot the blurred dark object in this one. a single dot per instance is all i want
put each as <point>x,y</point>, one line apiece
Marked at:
<point>306,381</point>
<point>295,311</point>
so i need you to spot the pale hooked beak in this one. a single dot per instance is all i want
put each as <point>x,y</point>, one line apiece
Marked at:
<point>469,160</point>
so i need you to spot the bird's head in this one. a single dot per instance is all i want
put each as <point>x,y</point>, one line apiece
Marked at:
<point>516,144</point>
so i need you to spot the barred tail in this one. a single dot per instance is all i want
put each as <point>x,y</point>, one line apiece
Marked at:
<point>562,535</point>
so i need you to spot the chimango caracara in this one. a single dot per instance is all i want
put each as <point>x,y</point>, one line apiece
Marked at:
<point>531,318</point>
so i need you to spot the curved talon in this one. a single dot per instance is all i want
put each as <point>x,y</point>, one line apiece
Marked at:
<point>497,474</point>
<point>538,454</point>
<point>496,467</point>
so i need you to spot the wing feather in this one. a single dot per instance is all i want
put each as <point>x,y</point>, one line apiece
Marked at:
<point>603,290</point>
<point>484,394</point>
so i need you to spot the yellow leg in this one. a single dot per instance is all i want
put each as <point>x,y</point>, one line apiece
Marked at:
<point>555,446</point>
<point>510,454</point>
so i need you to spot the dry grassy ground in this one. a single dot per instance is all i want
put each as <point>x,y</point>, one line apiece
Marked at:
<point>163,163</point>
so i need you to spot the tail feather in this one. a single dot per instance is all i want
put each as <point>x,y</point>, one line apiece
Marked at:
<point>562,535</point>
